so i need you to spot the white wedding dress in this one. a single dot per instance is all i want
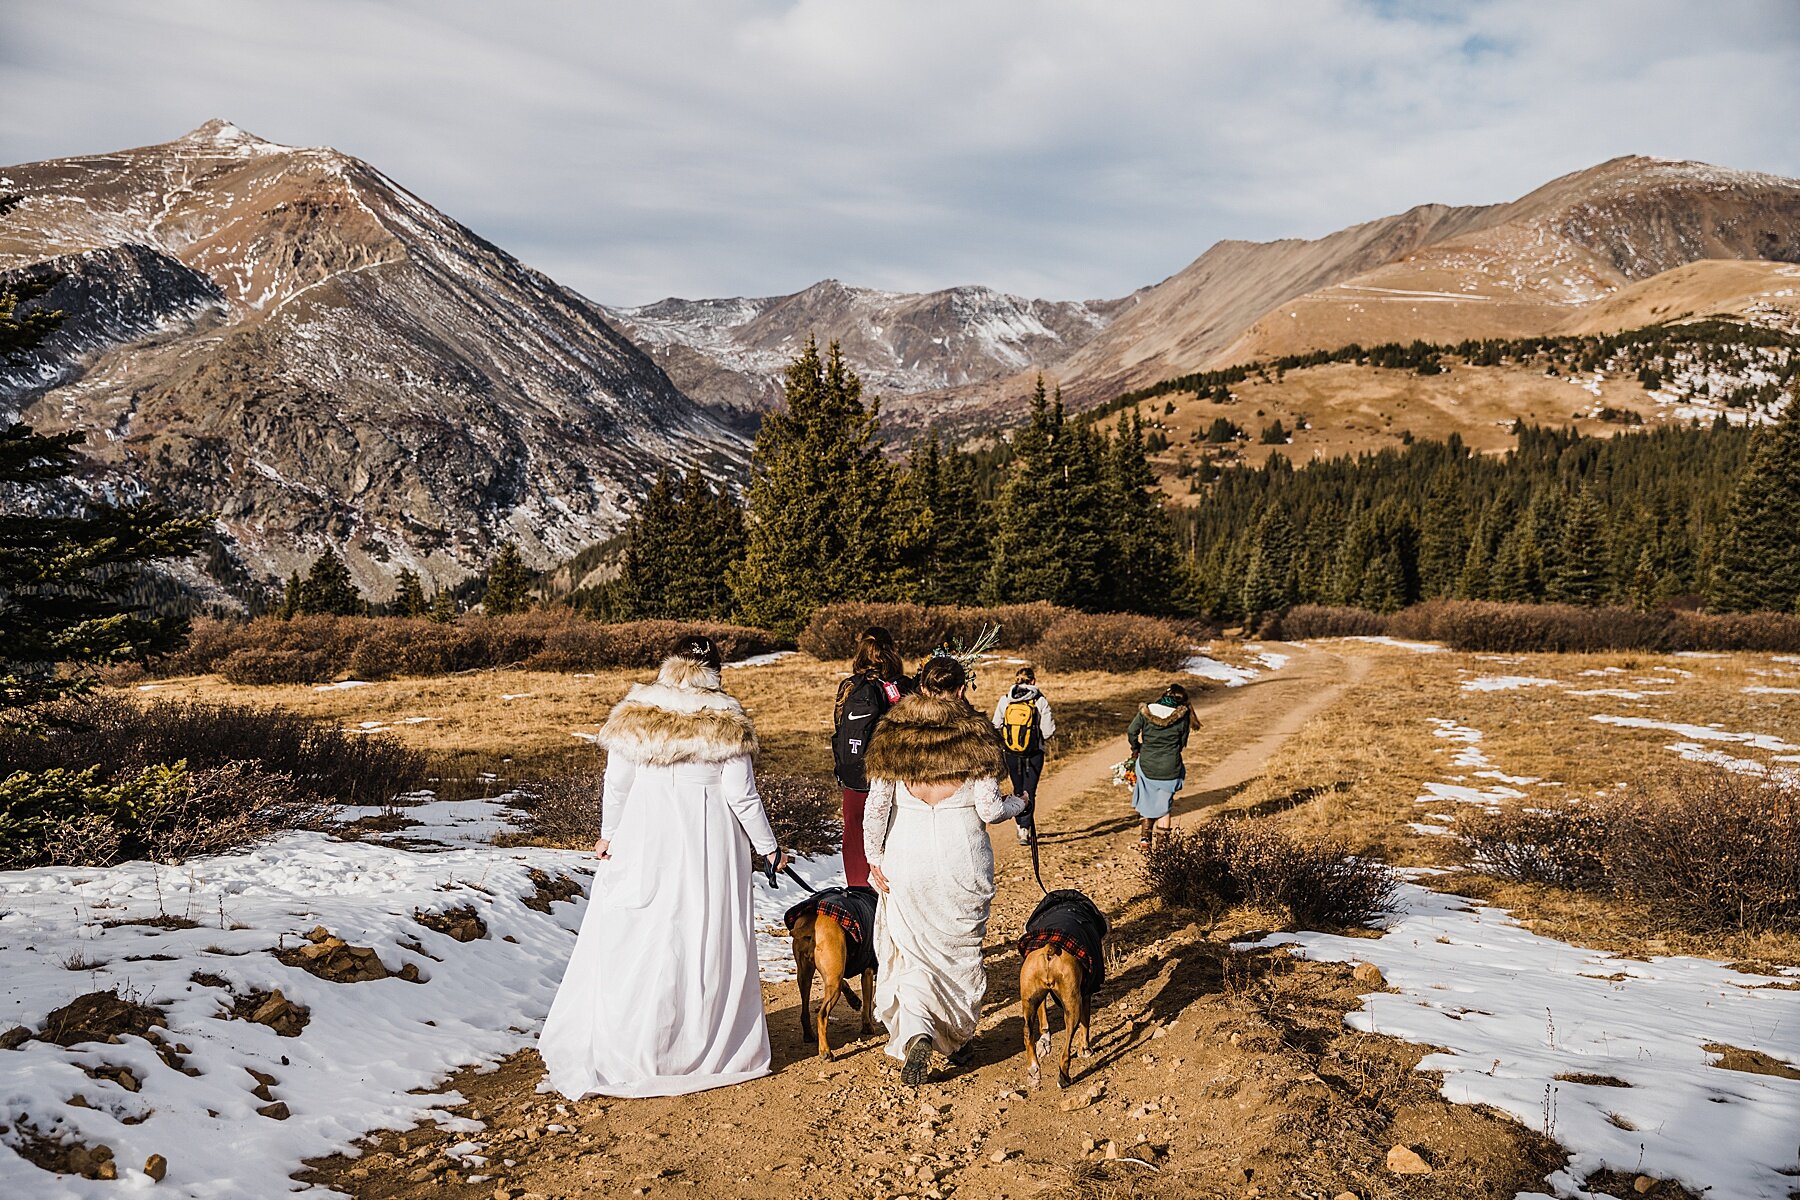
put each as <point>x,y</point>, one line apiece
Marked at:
<point>662,995</point>
<point>930,925</point>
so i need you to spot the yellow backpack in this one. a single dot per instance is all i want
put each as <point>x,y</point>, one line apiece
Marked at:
<point>1018,725</point>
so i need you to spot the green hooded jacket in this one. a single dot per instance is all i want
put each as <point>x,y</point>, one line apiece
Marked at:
<point>1158,735</point>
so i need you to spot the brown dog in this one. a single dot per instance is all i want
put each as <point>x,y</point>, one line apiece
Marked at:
<point>1064,959</point>
<point>821,945</point>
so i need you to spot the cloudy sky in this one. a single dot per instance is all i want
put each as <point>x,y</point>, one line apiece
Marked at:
<point>1062,148</point>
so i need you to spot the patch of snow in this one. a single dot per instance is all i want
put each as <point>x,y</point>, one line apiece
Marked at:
<point>1384,640</point>
<point>516,695</point>
<point>1212,668</point>
<point>372,1053</point>
<point>1772,691</point>
<point>1506,683</point>
<point>1702,733</point>
<point>763,660</point>
<point>1274,660</point>
<point>342,685</point>
<point>1616,693</point>
<point>1509,1011</point>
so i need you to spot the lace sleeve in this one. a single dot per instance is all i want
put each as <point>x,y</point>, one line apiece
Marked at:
<point>990,805</point>
<point>877,811</point>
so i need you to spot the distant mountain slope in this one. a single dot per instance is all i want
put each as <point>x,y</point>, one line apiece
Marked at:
<point>1442,274</point>
<point>289,339</point>
<point>731,353</point>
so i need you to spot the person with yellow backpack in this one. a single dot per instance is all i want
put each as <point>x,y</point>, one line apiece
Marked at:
<point>1023,718</point>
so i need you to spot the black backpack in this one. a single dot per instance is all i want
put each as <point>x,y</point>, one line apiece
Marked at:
<point>866,702</point>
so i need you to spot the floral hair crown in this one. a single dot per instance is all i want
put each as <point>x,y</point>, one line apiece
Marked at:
<point>968,656</point>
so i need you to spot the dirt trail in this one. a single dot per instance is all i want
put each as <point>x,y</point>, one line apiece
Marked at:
<point>1220,1074</point>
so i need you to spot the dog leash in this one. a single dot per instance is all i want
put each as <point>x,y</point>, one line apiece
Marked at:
<point>768,870</point>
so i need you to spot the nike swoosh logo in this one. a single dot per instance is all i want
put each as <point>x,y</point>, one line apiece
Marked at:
<point>857,716</point>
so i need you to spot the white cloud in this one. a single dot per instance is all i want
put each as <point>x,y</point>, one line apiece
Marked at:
<point>1055,148</point>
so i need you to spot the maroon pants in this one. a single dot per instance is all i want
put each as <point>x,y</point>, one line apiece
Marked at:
<point>856,865</point>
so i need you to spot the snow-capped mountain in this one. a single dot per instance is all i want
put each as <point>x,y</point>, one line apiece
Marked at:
<point>289,339</point>
<point>731,353</point>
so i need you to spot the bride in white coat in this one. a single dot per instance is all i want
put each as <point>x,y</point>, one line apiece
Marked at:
<point>662,996</point>
<point>934,767</point>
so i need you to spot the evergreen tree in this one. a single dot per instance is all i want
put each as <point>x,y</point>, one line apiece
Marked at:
<point>443,607</point>
<point>1759,555</point>
<point>707,546</point>
<point>1268,577</point>
<point>290,597</point>
<point>1029,562</point>
<point>951,557</point>
<point>1144,575</point>
<point>641,589</point>
<point>1583,574</point>
<point>409,594</point>
<point>1443,538</point>
<point>508,583</point>
<point>818,530</point>
<point>68,568</point>
<point>328,590</point>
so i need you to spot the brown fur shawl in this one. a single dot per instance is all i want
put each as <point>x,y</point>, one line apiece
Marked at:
<point>928,739</point>
<point>685,716</point>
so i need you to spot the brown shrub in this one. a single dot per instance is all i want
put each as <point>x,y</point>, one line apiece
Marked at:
<point>577,645</point>
<point>1771,631</point>
<point>311,649</point>
<point>832,632</point>
<point>1713,849</point>
<point>1319,621</point>
<point>565,809</point>
<point>1115,642</point>
<point>256,666</point>
<point>1559,843</point>
<point>1709,848</point>
<point>1547,628</point>
<point>121,736</point>
<point>1224,862</point>
<point>807,814</point>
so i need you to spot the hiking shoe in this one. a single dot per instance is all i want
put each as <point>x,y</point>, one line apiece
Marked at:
<point>918,1061</point>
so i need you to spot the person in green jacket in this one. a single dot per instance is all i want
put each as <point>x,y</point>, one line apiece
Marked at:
<point>1158,734</point>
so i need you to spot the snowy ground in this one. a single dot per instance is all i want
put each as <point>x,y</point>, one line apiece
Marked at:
<point>367,1047</point>
<point>1208,667</point>
<point>1617,1059</point>
<point>1612,1057</point>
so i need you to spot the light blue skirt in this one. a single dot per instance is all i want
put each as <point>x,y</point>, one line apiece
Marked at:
<point>1152,797</point>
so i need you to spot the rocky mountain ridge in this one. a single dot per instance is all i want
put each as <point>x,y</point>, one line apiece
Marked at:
<point>1547,262</point>
<point>289,339</point>
<point>730,354</point>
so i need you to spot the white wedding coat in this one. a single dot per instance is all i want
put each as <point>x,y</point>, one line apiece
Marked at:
<point>662,996</point>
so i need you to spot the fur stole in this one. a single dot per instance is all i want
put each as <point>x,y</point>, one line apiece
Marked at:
<point>1162,716</point>
<point>685,716</point>
<point>927,739</point>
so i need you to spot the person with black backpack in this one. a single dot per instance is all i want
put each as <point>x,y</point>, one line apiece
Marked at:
<point>877,681</point>
<point>1023,718</point>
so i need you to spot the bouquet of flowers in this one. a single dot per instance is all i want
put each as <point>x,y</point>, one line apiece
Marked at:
<point>1124,774</point>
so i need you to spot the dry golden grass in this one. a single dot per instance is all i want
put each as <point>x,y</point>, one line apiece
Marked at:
<point>1356,773</point>
<point>524,724</point>
<point>1355,410</point>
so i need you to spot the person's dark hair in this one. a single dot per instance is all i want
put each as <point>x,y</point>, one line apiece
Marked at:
<point>942,676</point>
<point>1025,675</point>
<point>876,655</point>
<point>697,648</point>
<point>1177,693</point>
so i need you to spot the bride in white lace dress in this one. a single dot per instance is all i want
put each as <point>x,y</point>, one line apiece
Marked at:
<point>934,767</point>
